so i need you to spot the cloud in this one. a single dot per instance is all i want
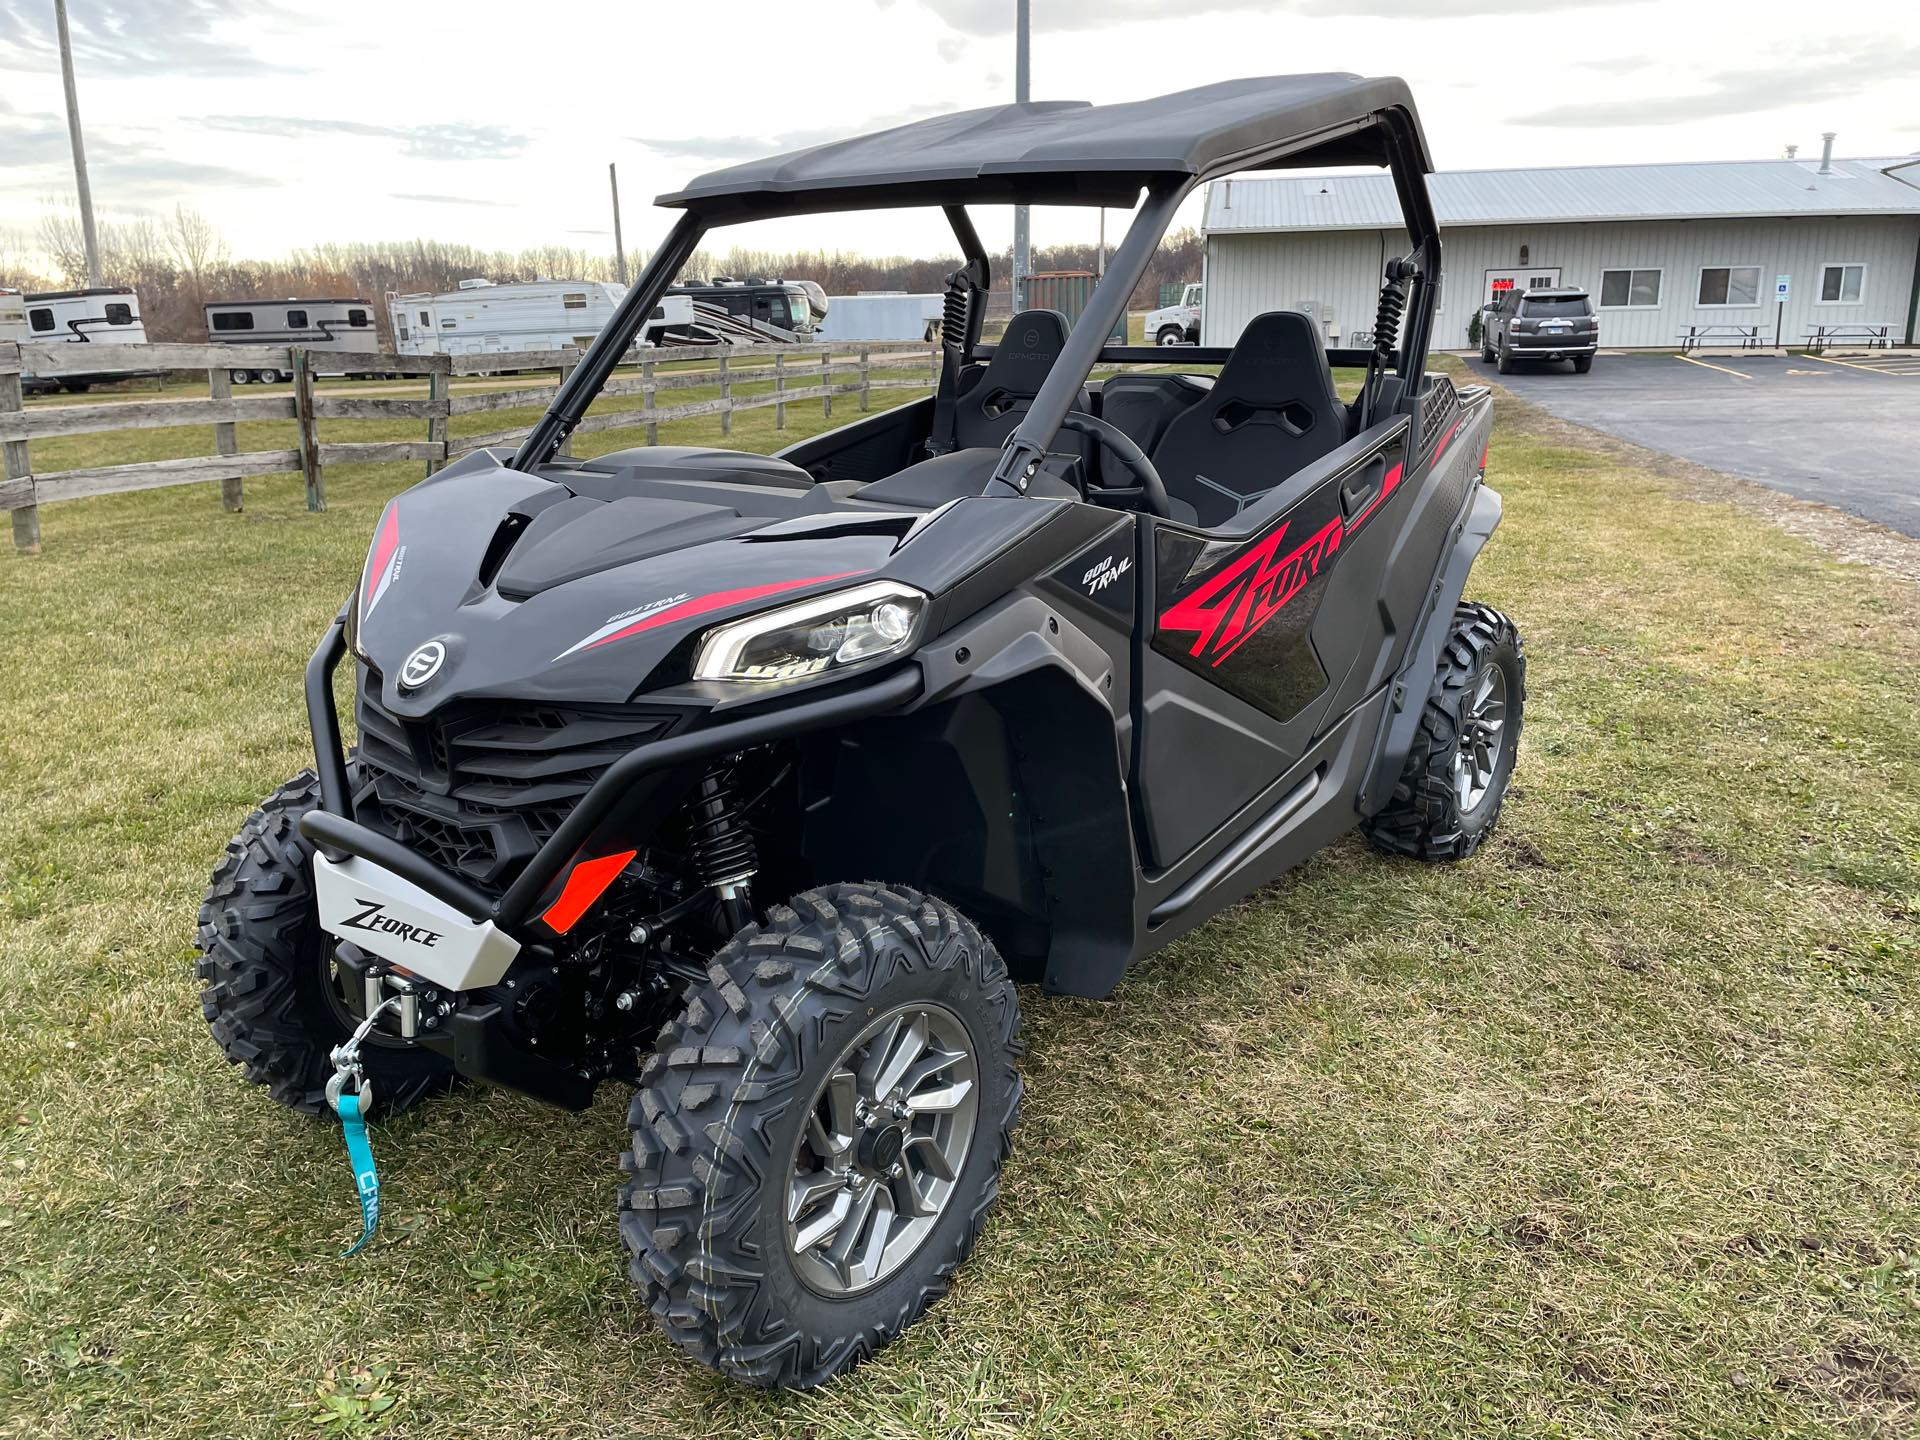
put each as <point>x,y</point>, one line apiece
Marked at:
<point>171,37</point>
<point>450,200</point>
<point>455,141</point>
<point>951,47</point>
<point>995,17</point>
<point>125,172</point>
<point>1828,74</point>
<point>751,147</point>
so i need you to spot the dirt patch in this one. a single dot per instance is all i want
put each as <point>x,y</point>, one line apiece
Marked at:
<point>1867,1386</point>
<point>1843,536</point>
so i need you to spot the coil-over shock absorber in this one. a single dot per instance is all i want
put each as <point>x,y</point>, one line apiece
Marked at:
<point>1386,328</point>
<point>724,857</point>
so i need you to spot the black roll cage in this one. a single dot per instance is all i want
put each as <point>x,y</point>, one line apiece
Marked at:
<point>1086,345</point>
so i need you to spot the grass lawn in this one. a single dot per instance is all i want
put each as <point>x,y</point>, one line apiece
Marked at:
<point>1609,1131</point>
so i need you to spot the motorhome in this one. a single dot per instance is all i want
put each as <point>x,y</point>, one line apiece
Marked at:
<point>103,315</point>
<point>481,318</point>
<point>755,310</point>
<point>344,323</point>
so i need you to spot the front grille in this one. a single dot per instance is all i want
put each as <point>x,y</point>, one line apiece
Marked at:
<point>478,788</point>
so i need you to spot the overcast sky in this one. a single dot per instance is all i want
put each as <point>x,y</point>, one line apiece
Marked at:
<point>492,124</point>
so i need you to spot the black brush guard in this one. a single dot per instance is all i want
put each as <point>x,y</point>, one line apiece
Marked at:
<point>337,834</point>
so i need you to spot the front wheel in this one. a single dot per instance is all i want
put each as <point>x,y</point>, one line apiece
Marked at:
<point>818,1139</point>
<point>1456,774</point>
<point>271,995</point>
<point>1170,335</point>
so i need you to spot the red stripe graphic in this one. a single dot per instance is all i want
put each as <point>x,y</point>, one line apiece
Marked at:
<point>384,544</point>
<point>1388,484</point>
<point>719,600</point>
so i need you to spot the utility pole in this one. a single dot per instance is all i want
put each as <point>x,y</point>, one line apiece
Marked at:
<point>1022,256</point>
<point>80,147</point>
<point>619,250</point>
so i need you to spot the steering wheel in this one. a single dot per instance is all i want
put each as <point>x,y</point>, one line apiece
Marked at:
<point>1149,491</point>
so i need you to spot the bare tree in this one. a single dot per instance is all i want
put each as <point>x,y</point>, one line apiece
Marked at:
<point>194,243</point>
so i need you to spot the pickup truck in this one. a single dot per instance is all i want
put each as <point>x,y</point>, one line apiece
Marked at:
<point>1177,324</point>
<point>1556,324</point>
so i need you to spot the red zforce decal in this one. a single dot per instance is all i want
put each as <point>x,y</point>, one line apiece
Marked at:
<point>1229,609</point>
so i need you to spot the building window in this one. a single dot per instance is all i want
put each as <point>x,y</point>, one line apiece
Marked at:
<point>577,300</point>
<point>296,319</point>
<point>41,320</point>
<point>1843,284</point>
<point>233,320</point>
<point>119,314</point>
<point>1629,289</point>
<point>357,319</point>
<point>1730,285</point>
<point>425,318</point>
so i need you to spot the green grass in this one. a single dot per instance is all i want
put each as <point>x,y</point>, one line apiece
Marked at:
<point>1610,1131</point>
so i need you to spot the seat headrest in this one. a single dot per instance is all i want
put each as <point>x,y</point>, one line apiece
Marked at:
<point>1274,354</point>
<point>1024,355</point>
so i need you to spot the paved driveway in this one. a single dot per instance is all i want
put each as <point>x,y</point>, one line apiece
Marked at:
<point>1846,433</point>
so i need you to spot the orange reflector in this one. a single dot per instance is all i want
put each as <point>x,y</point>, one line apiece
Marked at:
<point>586,883</point>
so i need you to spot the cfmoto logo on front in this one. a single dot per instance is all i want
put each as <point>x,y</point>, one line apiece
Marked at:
<point>422,665</point>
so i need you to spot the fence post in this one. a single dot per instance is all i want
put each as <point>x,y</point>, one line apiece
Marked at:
<point>866,378</point>
<point>646,400</point>
<point>14,466</point>
<point>726,398</point>
<point>309,437</point>
<point>220,387</point>
<point>826,383</point>
<point>933,367</point>
<point>779,388</point>
<point>566,369</point>
<point>439,388</point>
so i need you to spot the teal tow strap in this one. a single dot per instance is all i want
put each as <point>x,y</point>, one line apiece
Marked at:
<point>366,1178</point>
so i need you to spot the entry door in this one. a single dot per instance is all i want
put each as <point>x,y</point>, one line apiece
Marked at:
<point>1243,657</point>
<point>1499,282</point>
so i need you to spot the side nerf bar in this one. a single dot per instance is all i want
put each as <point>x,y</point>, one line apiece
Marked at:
<point>333,830</point>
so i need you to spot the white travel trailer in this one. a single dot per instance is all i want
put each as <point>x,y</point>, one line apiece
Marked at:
<point>100,316</point>
<point>482,318</point>
<point>881,315</point>
<point>344,323</point>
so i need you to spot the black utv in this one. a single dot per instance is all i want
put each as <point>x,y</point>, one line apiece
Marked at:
<point>757,782</point>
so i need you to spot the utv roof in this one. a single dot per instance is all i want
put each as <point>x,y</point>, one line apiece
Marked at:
<point>1068,152</point>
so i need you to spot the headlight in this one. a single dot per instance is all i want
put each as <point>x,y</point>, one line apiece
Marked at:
<point>814,637</point>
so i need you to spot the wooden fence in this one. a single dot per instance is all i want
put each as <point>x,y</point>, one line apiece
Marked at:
<point>798,374</point>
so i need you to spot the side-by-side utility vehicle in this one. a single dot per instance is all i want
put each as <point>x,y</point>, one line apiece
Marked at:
<point>756,782</point>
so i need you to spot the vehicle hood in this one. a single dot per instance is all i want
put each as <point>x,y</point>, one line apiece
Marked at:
<point>592,585</point>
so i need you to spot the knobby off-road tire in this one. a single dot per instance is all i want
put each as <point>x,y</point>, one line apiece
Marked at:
<point>265,961</point>
<point>1427,817</point>
<point>725,1102</point>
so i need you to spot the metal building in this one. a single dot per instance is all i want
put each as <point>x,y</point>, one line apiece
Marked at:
<point>1663,249</point>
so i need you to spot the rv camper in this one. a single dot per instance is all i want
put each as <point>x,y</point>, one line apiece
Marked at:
<point>100,316</point>
<point>337,324</point>
<point>482,318</point>
<point>753,311</point>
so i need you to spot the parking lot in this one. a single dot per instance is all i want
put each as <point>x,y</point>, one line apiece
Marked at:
<point>1840,431</point>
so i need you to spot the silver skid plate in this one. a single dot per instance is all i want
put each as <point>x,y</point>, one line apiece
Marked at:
<point>395,919</point>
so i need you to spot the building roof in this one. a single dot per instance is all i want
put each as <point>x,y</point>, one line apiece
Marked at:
<point>1062,151</point>
<point>1701,190</point>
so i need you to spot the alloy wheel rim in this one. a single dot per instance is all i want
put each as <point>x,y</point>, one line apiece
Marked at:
<point>1483,725</point>
<point>886,1137</point>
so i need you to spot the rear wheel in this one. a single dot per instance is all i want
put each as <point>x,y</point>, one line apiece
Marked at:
<point>1450,792</point>
<point>240,377</point>
<point>1505,360</point>
<point>271,995</point>
<point>818,1138</point>
<point>1582,364</point>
